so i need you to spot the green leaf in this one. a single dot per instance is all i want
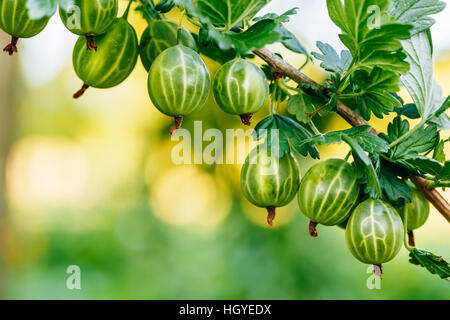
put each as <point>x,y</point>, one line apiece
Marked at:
<point>373,89</point>
<point>416,12</point>
<point>371,143</point>
<point>221,40</point>
<point>438,153</point>
<point>393,187</point>
<point>408,110</point>
<point>353,15</point>
<point>419,80</point>
<point>165,6</point>
<point>444,107</point>
<point>372,39</point>
<point>442,122</point>
<point>266,30</point>
<point>291,42</point>
<point>368,142</point>
<point>440,118</point>
<point>285,17</point>
<point>228,13</point>
<point>396,129</point>
<point>148,12</point>
<point>331,61</point>
<point>282,134</point>
<point>38,9</point>
<point>421,141</point>
<point>260,34</point>
<point>363,162</point>
<point>211,50</point>
<point>303,103</point>
<point>433,263</point>
<point>422,165</point>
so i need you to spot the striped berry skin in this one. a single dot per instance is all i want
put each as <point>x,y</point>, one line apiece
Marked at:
<point>89,17</point>
<point>415,213</point>
<point>178,83</point>
<point>115,60</point>
<point>375,232</point>
<point>269,182</point>
<point>240,88</point>
<point>159,36</point>
<point>328,192</point>
<point>15,21</point>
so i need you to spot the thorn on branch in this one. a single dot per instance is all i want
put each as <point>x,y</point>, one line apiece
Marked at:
<point>318,110</point>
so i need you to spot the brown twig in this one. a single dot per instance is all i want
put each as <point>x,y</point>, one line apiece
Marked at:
<point>281,66</point>
<point>433,196</point>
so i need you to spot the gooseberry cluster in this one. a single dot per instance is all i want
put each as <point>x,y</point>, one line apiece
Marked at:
<point>179,84</point>
<point>108,48</point>
<point>329,194</point>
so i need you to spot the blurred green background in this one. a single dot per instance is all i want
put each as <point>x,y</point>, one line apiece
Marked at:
<point>90,183</point>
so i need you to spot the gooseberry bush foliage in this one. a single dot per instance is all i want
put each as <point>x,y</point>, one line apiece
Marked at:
<point>389,46</point>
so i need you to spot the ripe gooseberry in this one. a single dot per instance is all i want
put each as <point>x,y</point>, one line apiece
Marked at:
<point>89,18</point>
<point>15,21</point>
<point>178,83</point>
<point>240,88</point>
<point>114,61</point>
<point>328,192</point>
<point>269,182</point>
<point>374,233</point>
<point>159,36</point>
<point>415,213</point>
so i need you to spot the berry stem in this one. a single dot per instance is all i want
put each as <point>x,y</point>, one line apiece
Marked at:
<point>12,47</point>
<point>411,241</point>
<point>270,215</point>
<point>245,118</point>
<point>378,270</point>
<point>348,155</point>
<point>180,28</point>
<point>90,43</point>
<point>80,92</point>
<point>127,10</point>
<point>178,120</point>
<point>312,229</point>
